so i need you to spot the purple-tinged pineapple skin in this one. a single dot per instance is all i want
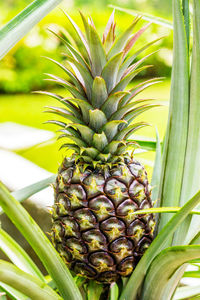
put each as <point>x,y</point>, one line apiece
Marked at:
<point>94,228</point>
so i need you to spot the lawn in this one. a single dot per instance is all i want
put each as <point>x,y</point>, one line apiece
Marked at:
<point>28,109</point>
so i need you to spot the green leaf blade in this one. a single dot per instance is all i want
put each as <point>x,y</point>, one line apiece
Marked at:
<point>14,30</point>
<point>159,243</point>
<point>40,243</point>
<point>177,129</point>
<point>191,181</point>
<point>169,260</point>
<point>25,283</point>
<point>18,256</point>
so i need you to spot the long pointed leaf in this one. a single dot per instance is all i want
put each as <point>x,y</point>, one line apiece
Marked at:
<point>40,243</point>
<point>110,71</point>
<point>157,245</point>
<point>11,292</point>
<point>99,92</point>
<point>145,16</point>
<point>120,42</point>
<point>14,30</point>
<point>157,169</point>
<point>32,189</point>
<point>177,128</point>
<point>18,256</point>
<point>169,260</point>
<point>191,179</point>
<point>27,284</point>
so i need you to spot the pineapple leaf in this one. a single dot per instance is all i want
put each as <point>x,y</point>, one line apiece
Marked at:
<point>79,142</point>
<point>55,122</point>
<point>187,292</point>
<point>86,132</point>
<point>111,128</point>
<point>87,28</point>
<point>71,88</point>
<point>192,161</point>
<point>111,104</point>
<point>158,210</point>
<point>85,74</point>
<point>130,59</point>
<point>127,111</point>
<point>124,133</point>
<point>63,113</point>
<point>77,56</point>
<point>72,50</point>
<point>84,106</point>
<point>32,189</point>
<point>97,119</point>
<point>131,115</point>
<point>92,152</point>
<point>135,37</point>
<point>170,260</point>
<point>73,78</point>
<point>100,141</point>
<point>177,128</point>
<point>21,24</point>
<point>98,55</point>
<point>80,34</point>
<point>25,283</point>
<point>158,244</point>
<point>121,41</point>
<point>145,16</point>
<point>110,38</point>
<point>64,101</point>
<point>145,143</point>
<point>157,169</point>
<point>137,64</point>
<point>70,146</point>
<point>109,26</point>
<point>125,80</point>
<point>11,292</point>
<point>42,246</point>
<point>114,291</point>
<point>69,129</point>
<point>113,146</point>
<point>18,256</point>
<point>137,90</point>
<point>110,71</point>
<point>99,92</point>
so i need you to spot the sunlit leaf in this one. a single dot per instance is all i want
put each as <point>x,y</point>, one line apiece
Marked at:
<point>14,30</point>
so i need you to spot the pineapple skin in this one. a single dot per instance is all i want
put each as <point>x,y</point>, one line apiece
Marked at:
<point>94,228</point>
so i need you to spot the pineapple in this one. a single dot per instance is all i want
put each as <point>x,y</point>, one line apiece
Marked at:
<point>101,186</point>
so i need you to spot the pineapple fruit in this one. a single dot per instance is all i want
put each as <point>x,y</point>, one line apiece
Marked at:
<point>101,186</point>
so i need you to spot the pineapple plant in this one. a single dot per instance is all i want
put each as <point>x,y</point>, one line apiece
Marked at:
<point>165,259</point>
<point>101,186</point>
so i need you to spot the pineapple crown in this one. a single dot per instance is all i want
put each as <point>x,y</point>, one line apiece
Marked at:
<point>99,115</point>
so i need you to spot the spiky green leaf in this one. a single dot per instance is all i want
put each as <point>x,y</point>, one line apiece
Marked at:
<point>100,141</point>
<point>99,92</point>
<point>110,71</point>
<point>169,260</point>
<point>111,104</point>
<point>121,41</point>
<point>157,245</point>
<point>111,128</point>
<point>97,119</point>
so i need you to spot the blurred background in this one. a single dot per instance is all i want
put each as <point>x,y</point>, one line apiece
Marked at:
<point>22,71</point>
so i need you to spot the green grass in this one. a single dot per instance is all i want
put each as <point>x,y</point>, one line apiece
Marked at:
<point>28,110</point>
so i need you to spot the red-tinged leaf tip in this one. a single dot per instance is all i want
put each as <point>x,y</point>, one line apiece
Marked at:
<point>109,25</point>
<point>132,41</point>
